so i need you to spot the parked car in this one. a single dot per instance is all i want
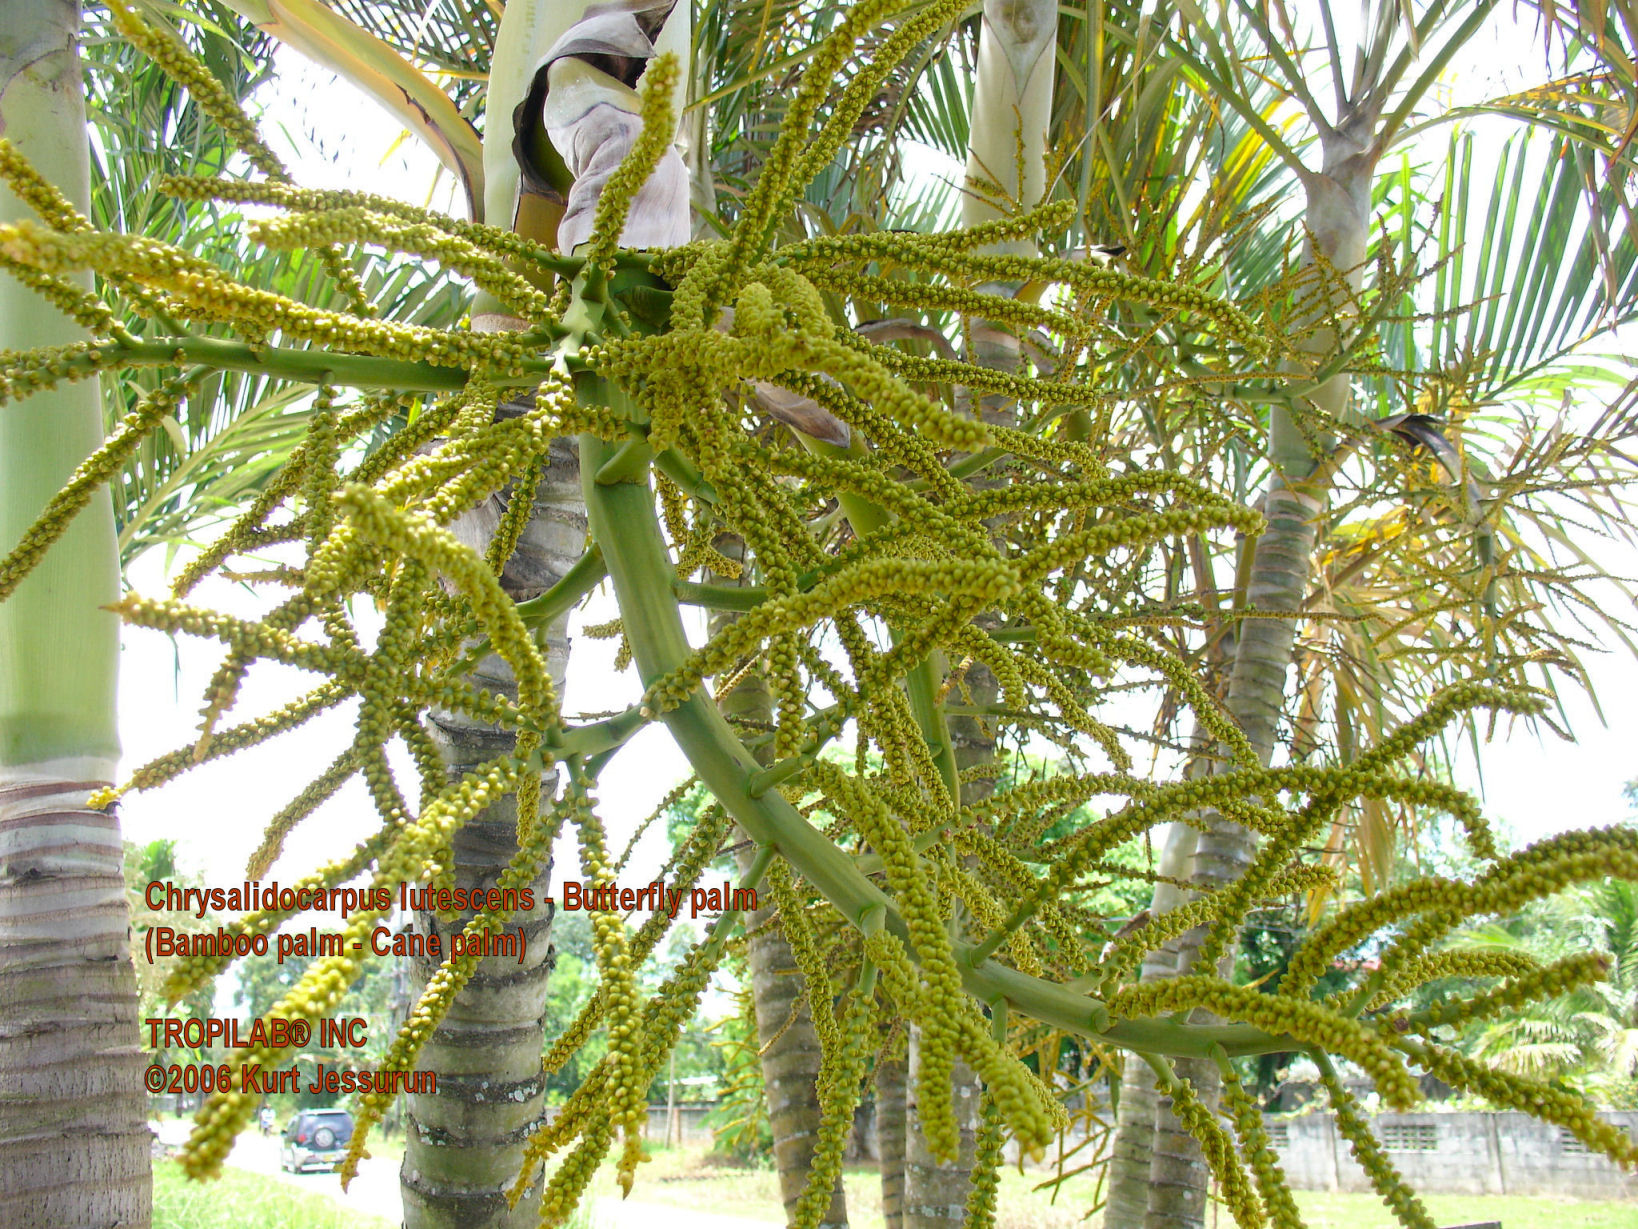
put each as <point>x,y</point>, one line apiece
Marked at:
<point>315,1139</point>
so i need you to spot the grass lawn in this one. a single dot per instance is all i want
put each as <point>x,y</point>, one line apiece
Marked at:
<point>240,1200</point>
<point>687,1178</point>
<point>1327,1211</point>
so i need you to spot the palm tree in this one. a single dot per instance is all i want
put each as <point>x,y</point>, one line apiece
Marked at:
<point>227,438</point>
<point>74,1127</point>
<point>1372,110</point>
<point>1589,1038</point>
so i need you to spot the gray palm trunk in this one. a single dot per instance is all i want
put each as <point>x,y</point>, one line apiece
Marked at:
<point>790,1056</point>
<point>464,1144</point>
<point>74,1141</point>
<point>1337,219</point>
<point>891,1076</point>
<point>1134,1145</point>
<point>1012,100</point>
<point>935,1189</point>
<point>788,1045</point>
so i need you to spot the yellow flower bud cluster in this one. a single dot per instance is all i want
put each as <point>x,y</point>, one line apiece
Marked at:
<point>182,66</point>
<point>1006,869</point>
<point>454,252</point>
<point>35,191</point>
<point>628,1108</point>
<point>201,290</point>
<point>940,999</point>
<point>313,795</point>
<point>1328,787</point>
<point>534,851</point>
<point>1438,905</point>
<point>1540,1100</point>
<point>190,973</point>
<point>244,531</point>
<point>438,549</point>
<point>779,180</point>
<point>1093,282</point>
<point>983,1197</point>
<point>1384,1178</point>
<point>79,305</point>
<point>586,1115</point>
<point>1254,1145</point>
<point>57,212</point>
<point>223,688</point>
<point>1532,986</point>
<point>485,239</point>
<point>798,930</point>
<point>839,1086</point>
<point>688,863</point>
<point>568,1185</point>
<point>1216,1146</point>
<point>986,910</point>
<point>659,124</point>
<point>1042,392</point>
<point>1025,1104</point>
<point>172,56</point>
<point>1453,962</point>
<point>26,372</point>
<point>168,767</point>
<point>88,478</point>
<point>909,30</point>
<point>1307,1022</point>
<point>1015,315</point>
<point>402,858</point>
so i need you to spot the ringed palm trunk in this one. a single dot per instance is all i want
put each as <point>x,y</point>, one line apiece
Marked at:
<point>1006,158</point>
<point>890,1095</point>
<point>73,1116</point>
<point>463,1145</point>
<point>1338,219</point>
<point>1133,1150</point>
<point>790,1057</point>
<point>1139,1108</point>
<point>788,1044</point>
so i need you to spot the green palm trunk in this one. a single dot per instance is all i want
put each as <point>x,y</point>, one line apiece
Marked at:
<point>73,1125</point>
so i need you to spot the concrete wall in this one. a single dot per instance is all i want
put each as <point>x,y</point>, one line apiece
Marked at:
<point>1449,1154</point>
<point>1457,1154</point>
<point>690,1118</point>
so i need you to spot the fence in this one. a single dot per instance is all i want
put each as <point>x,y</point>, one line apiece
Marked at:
<point>1457,1154</point>
<point>1439,1154</point>
<point>690,1125</point>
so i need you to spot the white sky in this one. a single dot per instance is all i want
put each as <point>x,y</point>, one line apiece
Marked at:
<point>217,812</point>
